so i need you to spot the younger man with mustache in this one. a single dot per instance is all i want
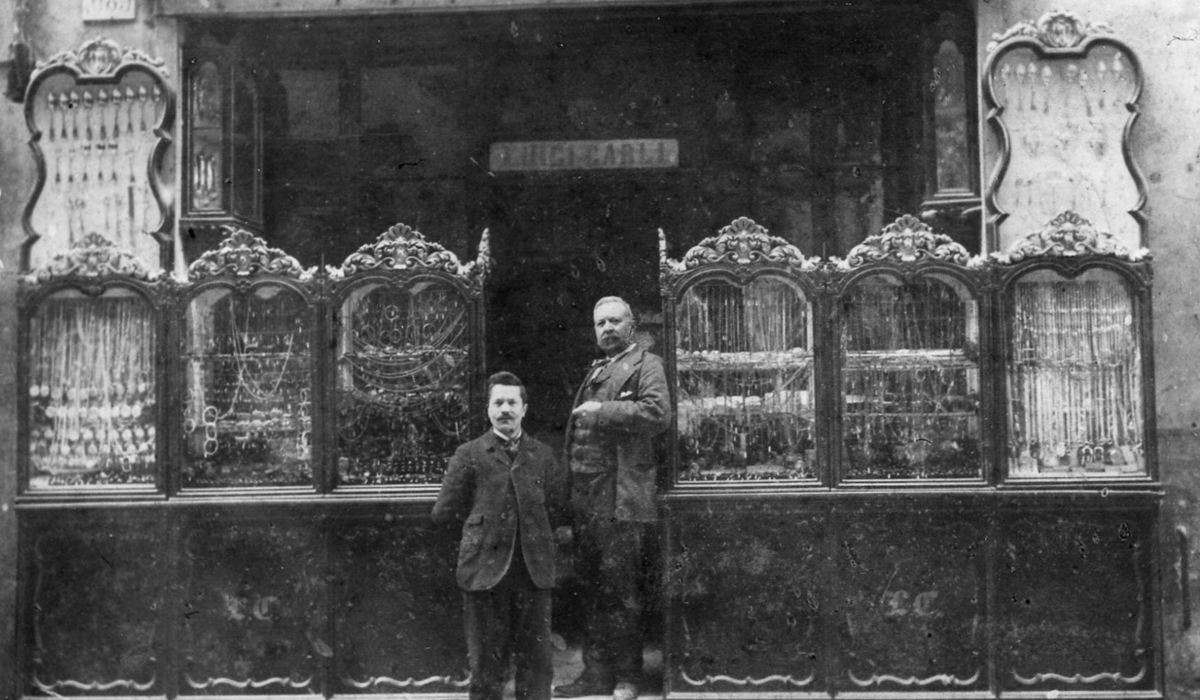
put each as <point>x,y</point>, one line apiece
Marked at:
<point>510,492</point>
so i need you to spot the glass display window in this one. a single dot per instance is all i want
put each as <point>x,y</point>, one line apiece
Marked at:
<point>248,370</point>
<point>91,346</point>
<point>407,363</point>
<point>743,360</point>
<point>1074,337</point>
<point>910,379</point>
<point>910,372</point>
<point>1074,383</point>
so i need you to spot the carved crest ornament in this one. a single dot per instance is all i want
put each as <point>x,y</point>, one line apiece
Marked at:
<point>242,253</point>
<point>740,243</point>
<point>402,247</point>
<point>101,57</point>
<point>1068,235</point>
<point>907,239</point>
<point>94,256</point>
<point>1058,29</point>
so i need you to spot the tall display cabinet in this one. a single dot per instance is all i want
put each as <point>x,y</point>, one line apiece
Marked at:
<point>938,488</point>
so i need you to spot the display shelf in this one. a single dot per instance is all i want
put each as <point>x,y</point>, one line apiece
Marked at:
<point>905,359</point>
<point>702,360</point>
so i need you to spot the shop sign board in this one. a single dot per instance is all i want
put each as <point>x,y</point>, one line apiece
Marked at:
<point>109,10</point>
<point>610,154</point>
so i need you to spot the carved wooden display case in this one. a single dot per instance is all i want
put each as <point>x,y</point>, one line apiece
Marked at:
<point>100,119</point>
<point>408,339</point>
<point>959,536</point>
<point>195,549</point>
<point>90,374</point>
<point>739,316</point>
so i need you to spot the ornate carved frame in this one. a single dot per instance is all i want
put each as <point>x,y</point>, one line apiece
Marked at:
<point>1055,35</point>
<point>98,62</point>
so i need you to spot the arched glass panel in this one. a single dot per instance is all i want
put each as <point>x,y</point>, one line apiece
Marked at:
<point>1074,378</point>
<point>744,360</point>
<point>402,389</point>
<point>92,392</point>
<point>248,409</point>
<point>910,380</point>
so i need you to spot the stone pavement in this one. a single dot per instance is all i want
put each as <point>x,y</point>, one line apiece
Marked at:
<point>568,664</point>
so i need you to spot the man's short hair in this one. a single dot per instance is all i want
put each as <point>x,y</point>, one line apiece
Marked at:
<point>614,300</point>
<point>506,379</point>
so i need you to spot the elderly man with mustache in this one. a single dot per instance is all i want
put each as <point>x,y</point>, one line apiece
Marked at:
<point>621,406</point>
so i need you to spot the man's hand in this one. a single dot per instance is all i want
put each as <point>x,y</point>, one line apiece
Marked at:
<point>586,407</point>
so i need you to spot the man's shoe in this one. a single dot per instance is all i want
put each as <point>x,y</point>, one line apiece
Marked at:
<point>586,684</point>
<point>625,691</point>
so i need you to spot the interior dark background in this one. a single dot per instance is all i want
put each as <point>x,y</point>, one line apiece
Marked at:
<point>808,121</point>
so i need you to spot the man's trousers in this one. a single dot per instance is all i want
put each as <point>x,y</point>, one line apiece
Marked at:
<point>509,621</point>
<point>609,563</point>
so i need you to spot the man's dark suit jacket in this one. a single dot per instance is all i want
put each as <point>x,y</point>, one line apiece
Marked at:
<point>635,406</point>
<point>493,494</point>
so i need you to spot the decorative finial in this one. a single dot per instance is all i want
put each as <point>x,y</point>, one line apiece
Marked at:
<point>1068,235</point>
<point>94,256</point>
<point>242,253</point>
<point>906,240</point>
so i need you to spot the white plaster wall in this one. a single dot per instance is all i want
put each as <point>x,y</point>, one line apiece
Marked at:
<point>1166,144</point>
<point>1165,36</point>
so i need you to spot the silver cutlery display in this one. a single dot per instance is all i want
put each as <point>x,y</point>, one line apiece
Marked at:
<point>96,143</point>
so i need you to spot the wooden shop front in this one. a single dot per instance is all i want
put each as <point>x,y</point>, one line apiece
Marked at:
<point>905,461</point>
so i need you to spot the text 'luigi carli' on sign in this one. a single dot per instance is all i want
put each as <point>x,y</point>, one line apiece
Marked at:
<point>612,154</point>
